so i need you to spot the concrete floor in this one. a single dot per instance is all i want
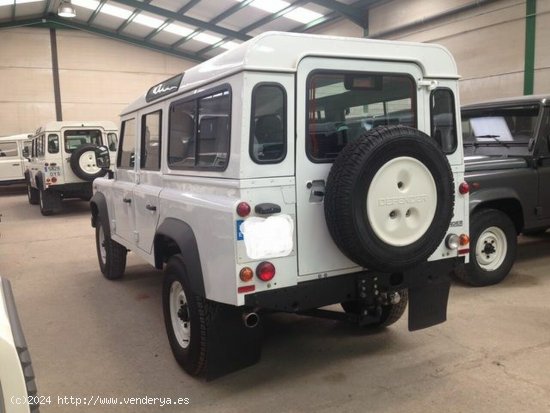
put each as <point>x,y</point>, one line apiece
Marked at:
<point>92,337</point>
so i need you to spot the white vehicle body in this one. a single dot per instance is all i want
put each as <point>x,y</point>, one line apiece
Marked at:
<point>12,161</point>
<point>17,385</point>
<point>144,205</point>
<point>51,171</point>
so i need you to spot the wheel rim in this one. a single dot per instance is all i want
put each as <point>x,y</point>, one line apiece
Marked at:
<point>491,248</point>
<point>86,162</point>
<point>102,249</point>
<point>401,201</point>
<point>179,314</point>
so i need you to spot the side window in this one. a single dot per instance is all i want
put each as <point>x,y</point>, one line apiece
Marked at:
<point>268,124</point>
<point>214,130</point>
<point>443,119</point>
<point>112,141</point>
<point>343,106</point>
<point>8,150</point>
<point>181,145</point>
<point>53,143</point>
<point>200,132</point>
<point>40,146</point>
<point>127,149</point>
<point>150,140</point>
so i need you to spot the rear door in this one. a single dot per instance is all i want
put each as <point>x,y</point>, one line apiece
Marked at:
<point>10,161</point>
<point>149,181</point>
<point>337,101</point>
<point>123,186</point>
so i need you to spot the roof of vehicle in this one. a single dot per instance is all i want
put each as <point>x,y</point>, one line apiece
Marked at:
<point>57,125</point>
<point>282,52</point>
<point>529,99</point>
<point>21,136</point>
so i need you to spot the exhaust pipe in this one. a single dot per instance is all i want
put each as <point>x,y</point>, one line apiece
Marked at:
<point>251,319</point>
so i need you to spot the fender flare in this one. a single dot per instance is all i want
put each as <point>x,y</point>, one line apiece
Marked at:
<point>173,231</point>
<point>479,197</point>
<point>38,178</point>
<point>98,207</point>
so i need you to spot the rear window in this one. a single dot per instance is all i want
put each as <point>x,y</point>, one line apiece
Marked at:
<point>78,137</point>
<point>8,150</point>
<point>343,106</point>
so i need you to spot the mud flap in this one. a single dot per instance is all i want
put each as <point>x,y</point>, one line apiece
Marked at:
<point>231,345</point>
<point>428,302</point>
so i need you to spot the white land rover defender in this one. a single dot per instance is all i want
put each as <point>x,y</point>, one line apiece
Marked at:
<point>290,173</point>
<point>62,162</point>
<point>12,159</point>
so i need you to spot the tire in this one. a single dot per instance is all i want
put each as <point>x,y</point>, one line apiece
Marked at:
<point>368,209</point>
<point>33,195</point>
<point>489,227</point>
<point>389,313</point>
<point>48,201</point>
<point>186,317</point>
<point>110,254</point>
<point>82,163</point>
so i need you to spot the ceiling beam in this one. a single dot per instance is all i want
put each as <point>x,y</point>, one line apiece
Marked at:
<point>184,9</point>
<point>72,24</point>
<point>183,19</point>
<point>230,11</point>
<point>355,14</point>
<point>130,18</point>
<point>255,25</point>
<point>47,7</point>
<point>360,4</point>
<point>96,12</point>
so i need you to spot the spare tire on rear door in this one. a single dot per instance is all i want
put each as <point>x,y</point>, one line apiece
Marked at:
<point>83,163</point>
<point>389,198</point>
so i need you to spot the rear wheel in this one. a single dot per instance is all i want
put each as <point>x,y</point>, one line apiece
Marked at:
<point>186,317</point>
<point>33,195</point>
<point>48,201</point>
<point>386,314</point>
<point>110,254</point>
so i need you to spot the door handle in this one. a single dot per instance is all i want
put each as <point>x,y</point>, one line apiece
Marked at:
<point>15,164</point>
<point>127,200</point>
<point>150,207</point>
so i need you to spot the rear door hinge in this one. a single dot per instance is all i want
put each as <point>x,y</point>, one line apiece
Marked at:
<point>136,237</point>
<point>429,84</point>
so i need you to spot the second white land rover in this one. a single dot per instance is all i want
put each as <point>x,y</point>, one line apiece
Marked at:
<point>288,174</point>
<point>62,162</point>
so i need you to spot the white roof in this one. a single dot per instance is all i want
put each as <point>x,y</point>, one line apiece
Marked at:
<point>21,136</point>
<point>282,52</point>
<point>56,125</point>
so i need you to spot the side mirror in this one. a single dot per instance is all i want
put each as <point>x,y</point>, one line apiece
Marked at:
<point>25,153</point>
<point>102,157</point>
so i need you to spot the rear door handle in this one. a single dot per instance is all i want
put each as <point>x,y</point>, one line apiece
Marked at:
<point>127,200</point>
<point>150,207</point>
<point>15,164</point>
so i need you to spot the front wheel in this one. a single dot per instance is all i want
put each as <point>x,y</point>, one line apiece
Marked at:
<point>110,254</point>
<point>386,314</point>
<point>186,318</point>
<point>493,246</point>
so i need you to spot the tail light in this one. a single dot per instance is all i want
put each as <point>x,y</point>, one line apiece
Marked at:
<point>464,188</point>
<point>464,239</point>
<point>265,271</point>
<point>246,274</point>
<point>243,209</point>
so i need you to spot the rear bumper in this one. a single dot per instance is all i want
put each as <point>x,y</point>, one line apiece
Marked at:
<point>428,286</point>
<point>73,190</point>
<point>13,182</point>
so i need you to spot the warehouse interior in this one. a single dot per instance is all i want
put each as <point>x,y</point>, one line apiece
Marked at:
<point>91,337</point>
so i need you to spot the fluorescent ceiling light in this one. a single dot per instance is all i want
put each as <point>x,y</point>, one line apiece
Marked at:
<point>116,11</point>
<point>303,15</point>
<point>87,4</point>
<point>10,2</point>
<point>178,29</point>
<point>299,14</point>
<point>207,38</point>
<point>148,21</point>
<point>229,45</point>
